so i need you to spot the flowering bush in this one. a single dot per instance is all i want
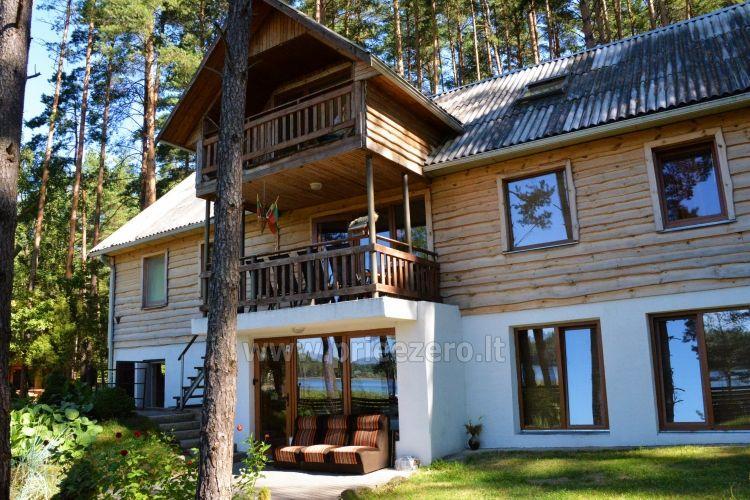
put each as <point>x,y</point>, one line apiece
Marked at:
<point>134,465</point>
<point>253,464</point>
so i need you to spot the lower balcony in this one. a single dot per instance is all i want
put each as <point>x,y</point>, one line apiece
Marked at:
<point>335,271</point>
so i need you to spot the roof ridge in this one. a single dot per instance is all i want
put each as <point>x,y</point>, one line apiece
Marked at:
<point>645,34</point>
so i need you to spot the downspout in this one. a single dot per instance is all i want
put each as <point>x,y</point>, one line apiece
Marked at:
<point>111,321</point>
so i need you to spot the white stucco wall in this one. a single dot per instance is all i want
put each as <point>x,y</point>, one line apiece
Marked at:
<point>491,390</point>
<point>168,353</point>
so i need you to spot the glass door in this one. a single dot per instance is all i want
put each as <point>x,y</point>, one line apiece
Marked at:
<point>272,401</point>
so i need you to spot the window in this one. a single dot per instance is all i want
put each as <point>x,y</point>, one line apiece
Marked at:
<point>561,378</point>
<point>155,281</point>
<point>544,88</point>
<point>539,210</point>
<point>703,369</point>
<point>690,182</point>
<point>373,375</point>
<point>319,376</point>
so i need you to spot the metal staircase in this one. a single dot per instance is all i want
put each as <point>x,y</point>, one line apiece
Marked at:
<point>191,394</point>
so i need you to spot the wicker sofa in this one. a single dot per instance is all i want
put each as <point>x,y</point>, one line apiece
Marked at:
<point>337,443</point>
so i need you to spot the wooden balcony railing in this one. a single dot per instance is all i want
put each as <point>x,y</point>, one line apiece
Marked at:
<point>314,120</point>
<point>335,271</point>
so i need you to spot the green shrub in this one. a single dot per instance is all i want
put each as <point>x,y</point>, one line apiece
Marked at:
<point>131,464</point>
<point>112,402</point>
<point>253,464</point>
<point>55,388</point>
<point>60,433</point>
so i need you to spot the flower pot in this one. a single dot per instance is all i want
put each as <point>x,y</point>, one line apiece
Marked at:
<point>473,443</point>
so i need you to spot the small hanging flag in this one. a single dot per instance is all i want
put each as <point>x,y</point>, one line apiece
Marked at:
<point>260,211</point>
<point>273,216</point>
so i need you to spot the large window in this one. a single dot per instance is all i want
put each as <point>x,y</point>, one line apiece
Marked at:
<point>560,377</point>
<point>703,367</point>
<point>539,210</point>
<point>689,185</point>
<point>373,375</point>
<point>319,376</point>
<point>155,280</point>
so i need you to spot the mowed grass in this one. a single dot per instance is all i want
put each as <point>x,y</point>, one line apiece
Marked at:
<point>674,472</point>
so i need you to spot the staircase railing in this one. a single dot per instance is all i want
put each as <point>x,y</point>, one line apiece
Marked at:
<point>181,358</point>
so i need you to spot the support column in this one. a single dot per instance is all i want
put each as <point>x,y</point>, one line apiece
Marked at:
<point>243,274</point>
<point>206,253</point>
<point>372,230</point>
<point>407,211</point>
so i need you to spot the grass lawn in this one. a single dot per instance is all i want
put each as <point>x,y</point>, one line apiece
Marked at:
<point>674,472</point>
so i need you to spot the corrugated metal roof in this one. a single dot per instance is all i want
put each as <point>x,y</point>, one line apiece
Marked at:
<point>178,209</point>
<point>692,61</point>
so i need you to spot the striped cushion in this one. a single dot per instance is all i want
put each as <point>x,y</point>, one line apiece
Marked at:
<point>368,422</point>
<point>348,454</point>
<point>306,428</point>
<point>365,438</point>
<point>317,452</point>
<point>336,431</point>
<point>287,453</point>
<point>336,422</point>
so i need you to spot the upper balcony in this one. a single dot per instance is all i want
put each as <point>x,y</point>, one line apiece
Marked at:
<point>296,132</point>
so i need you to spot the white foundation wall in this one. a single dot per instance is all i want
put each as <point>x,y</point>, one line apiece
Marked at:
<point>492,392</point>
<point>169,353</point>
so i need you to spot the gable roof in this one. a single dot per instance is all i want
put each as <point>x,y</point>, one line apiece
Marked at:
<point>177,211</point>
<point>697,60</point>
<point>205,86</point>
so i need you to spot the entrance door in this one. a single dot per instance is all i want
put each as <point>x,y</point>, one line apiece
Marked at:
<point>272,392</point>
<point>155,384</point>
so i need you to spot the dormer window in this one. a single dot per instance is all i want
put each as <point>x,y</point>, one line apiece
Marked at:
<point>544,88</point>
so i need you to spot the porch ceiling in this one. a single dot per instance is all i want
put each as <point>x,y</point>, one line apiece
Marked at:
<point>342,176</point>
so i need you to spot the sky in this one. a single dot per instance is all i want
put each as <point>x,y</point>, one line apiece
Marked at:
<point>39,62</point>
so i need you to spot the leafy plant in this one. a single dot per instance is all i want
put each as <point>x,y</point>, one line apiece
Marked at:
<point>63,433</point>
<point>472,429</point>
<point>132,464</point>
<point>112,402</point>
<point>253,463</point>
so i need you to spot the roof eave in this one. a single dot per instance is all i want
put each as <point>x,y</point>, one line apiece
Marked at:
<point>121,247</point>
<point>609,129</point>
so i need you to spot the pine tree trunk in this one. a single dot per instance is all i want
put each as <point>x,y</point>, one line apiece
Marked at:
<point>460,54</point>
<point>651,13</point>
<point>84,229</point>
<point>104,133</point>
<point>15,28</point>
<point>220,394</point>
<point>79,156</point>
<point>148,159</point>
<point>399,39</point>
<point>42,201</point>
<point>319,11</point>
<point>533,33</point>
<point>552,40</point>
<point>631,17</point>
<point>490,32</point>
<point>418,45</point>
<point>605,21</point>
<point>452,46</point>
<point>618,18</point>
<point>688,9</point>
<point>506,38</point>
<point>435,80</point>
<point>476,40</point>
<point>663,12</point>
<point>586,25</point>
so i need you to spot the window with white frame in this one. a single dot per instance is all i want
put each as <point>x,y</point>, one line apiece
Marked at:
<point>690,181</point>
<point>539,209</point>
<point>155,280</point>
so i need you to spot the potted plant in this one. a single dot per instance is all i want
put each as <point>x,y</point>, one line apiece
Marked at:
<point>474,430</point>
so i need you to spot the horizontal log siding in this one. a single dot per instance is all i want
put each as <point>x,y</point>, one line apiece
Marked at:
<point>394,133</point>
<point>620,254</point>
<point>171,324</point>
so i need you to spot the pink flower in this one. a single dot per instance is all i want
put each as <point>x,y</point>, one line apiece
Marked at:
<point>239,427</point>
<point>123,452</point>
<point>137,434</point>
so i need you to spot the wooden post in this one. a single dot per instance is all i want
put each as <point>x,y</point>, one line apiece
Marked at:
<point>206,243</point>
<point>373,232</point>
<point>407,211</point>
<point>243,274</point>
<point>199,156</point>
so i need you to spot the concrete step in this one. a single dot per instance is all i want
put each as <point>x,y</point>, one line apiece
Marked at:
<point>187,444</point>
<point>186,434</point>
<point>169,416</point>
<point>180,426</point>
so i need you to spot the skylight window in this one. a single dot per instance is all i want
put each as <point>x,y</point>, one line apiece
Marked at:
<point>544,88</point>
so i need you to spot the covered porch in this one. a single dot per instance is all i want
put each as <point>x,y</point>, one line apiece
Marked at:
<point>341,261</point>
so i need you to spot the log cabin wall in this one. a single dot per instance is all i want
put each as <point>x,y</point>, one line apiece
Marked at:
<point>619,255</point>
<point>395,133</point>
<point>170,324</point>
